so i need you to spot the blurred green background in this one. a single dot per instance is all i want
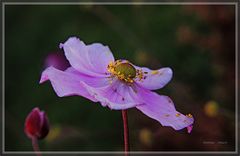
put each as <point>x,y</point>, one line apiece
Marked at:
<point>197,42</point>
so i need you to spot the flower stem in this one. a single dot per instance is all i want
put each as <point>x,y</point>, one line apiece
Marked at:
<point>125,127</point>
<point>35,146</point>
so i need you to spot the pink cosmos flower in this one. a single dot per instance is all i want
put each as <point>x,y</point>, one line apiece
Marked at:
<point>117,84</point>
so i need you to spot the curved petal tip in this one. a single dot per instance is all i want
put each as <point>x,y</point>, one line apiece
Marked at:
<point>189,128</point>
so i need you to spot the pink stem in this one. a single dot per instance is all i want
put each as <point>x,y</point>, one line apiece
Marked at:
<point>35,146</point>
<point>125,127</point>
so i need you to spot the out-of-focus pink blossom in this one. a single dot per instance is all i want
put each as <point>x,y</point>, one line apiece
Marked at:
<point>57,60</point>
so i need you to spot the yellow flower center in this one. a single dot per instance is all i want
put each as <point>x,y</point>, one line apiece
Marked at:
<point>124,71</point>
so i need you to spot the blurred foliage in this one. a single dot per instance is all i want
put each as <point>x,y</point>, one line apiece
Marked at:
<point>197,42</point>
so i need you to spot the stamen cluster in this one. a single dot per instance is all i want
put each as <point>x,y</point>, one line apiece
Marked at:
<point>124,71</point>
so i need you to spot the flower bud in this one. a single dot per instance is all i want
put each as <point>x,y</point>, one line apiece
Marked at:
<point>36,124</point>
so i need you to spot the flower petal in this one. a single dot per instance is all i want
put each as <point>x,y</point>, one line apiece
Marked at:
<point>117,96</point>
<point>99,57</point>
<point>68,83</point>
<point>189,129</point>
<point>89,80</point>
<point>155,79</point>
<point>90,59</point>
<point>161,108</point>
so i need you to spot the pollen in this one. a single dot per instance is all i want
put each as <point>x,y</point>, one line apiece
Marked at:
<point>178,114</point>
<point>154,72</point>
<point>189,115</point>
<point>123,70</point>
<point>140,75</point>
